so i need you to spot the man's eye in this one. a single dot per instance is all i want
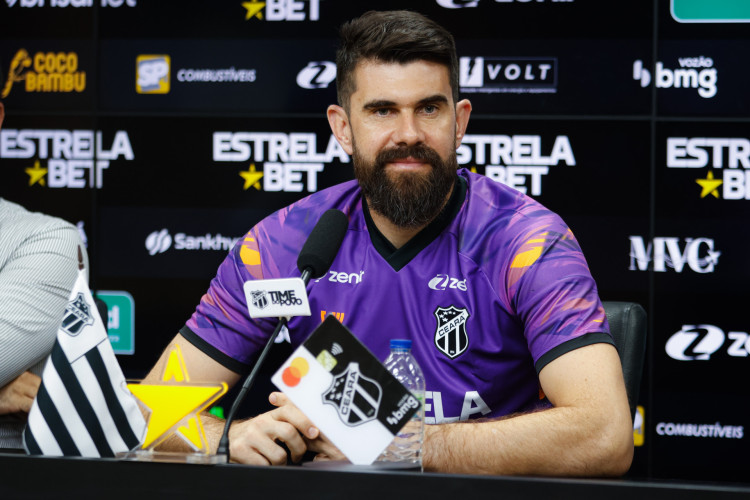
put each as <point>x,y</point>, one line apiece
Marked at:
<point>382,112</point>
<point>430,108</point>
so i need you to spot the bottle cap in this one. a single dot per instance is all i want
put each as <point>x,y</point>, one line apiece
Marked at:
<point>400,344</point>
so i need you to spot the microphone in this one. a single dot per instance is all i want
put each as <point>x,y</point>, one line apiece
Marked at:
<point>314,260</point>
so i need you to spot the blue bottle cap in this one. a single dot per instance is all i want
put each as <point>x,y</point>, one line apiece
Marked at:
<point>400,344</point>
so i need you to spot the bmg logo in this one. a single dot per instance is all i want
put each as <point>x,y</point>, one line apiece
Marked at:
<point>152,74</point>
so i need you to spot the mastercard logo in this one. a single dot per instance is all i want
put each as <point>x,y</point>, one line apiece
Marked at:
<point>293,373</point>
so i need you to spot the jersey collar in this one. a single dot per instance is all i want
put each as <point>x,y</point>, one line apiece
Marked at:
<point>399,257</point>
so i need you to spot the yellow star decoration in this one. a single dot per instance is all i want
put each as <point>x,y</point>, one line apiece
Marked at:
<point>709,185</point>
<point>36,174</point>
<point>251,177</point>
<point>176,405</point>
<point>254,9</point>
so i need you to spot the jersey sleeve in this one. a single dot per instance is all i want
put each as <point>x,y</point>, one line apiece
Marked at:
<point>553,292</point>
<point>221,325</point>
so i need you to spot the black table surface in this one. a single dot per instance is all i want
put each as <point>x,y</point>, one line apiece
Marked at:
<point>43,477</point>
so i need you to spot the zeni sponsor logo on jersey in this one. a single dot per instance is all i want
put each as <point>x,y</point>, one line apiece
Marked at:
<point>444,282</point>
<point>282,162</point>
<point>700,342</point>
<point>664,253</point>
<point>342,277</point>
<point>518,161</point>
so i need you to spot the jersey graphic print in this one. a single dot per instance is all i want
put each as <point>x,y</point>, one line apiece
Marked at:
<point>77,315</point>
<point>450,334</point>
<point>356,397</point>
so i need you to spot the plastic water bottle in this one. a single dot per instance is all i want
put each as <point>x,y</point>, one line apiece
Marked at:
<point>406,447</point>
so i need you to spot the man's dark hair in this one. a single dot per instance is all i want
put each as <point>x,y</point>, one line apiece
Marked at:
<point>399,36</point>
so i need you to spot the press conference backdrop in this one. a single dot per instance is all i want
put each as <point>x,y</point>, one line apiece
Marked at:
<point>166,129</point>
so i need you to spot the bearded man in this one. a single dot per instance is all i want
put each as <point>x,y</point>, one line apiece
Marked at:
<point>530,382</point>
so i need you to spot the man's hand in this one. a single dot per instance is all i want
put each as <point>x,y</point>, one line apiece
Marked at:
<point>256,441</point>
<point>314,441</point>
<point>18,395</point>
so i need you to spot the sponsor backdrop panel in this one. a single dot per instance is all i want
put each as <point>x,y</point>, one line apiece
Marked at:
<point>704,255</point>
<point>223,76</point>
<point>44,19</point>
<point>47,75</point>
<point>221,162</point>
<point>321,18</point>
<point>706,77</point>
<point>703,169</point>
<point>572,167</point>
<point>553,76</point>
<point>47,163</point>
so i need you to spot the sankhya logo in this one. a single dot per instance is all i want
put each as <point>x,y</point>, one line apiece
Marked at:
<point>158,242</point>
<point>667,253</point>
<point>317,75</point>
<point>161,241</point>
<point>694,72</point>
<point>699,342</point>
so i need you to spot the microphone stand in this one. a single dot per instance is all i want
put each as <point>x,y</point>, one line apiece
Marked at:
<point>223,448</point>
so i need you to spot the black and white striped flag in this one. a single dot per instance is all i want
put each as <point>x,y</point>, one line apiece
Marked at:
<point>83,407</point>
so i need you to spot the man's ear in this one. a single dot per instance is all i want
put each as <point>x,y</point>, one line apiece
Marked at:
<point>339,122</point>
<point>463,111</point>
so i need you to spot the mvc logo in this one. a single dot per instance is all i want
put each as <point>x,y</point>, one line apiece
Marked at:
<point>355,396</point>
<point>694,72</point>
<point>317,75</point>
<point>699,342</point>
<point>666,252</point>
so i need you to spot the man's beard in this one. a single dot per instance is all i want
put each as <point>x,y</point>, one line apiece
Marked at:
<point>412,199</point>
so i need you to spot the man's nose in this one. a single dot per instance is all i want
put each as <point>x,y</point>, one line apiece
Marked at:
<point>408,130</point>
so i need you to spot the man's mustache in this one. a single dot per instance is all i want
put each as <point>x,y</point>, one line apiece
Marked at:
<point>418,152</point>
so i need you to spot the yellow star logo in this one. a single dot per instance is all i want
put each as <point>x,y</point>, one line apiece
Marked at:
<point>254,9</point>
<point>176,405</point>
<point>36,174</point>
<point>709,185</point>
<point>251,177</point>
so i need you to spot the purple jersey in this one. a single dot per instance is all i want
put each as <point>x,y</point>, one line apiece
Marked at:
<point>489,293</point>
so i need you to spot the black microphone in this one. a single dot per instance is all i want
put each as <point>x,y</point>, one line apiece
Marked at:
<point>314,260</point>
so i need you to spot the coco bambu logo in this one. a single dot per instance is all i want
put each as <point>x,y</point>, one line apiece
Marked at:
<point>44,72</point>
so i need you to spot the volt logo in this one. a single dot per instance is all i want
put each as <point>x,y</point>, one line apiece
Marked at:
<point>504,74</point>
<point>669,253</point>
<point>317,75</point>
<point>699,342</point>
